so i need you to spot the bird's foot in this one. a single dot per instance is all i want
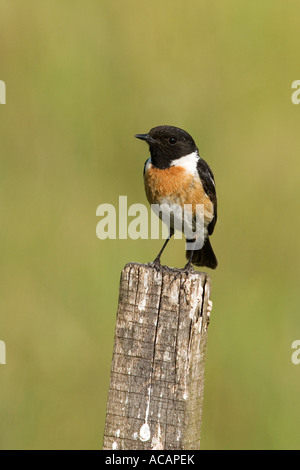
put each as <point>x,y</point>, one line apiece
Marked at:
<point>188,268</point>
<point>156,264</point>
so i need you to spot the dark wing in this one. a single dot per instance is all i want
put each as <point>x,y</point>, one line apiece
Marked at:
<point>208,182</point>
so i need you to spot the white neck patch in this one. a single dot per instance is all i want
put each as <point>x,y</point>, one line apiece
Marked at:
<point>188,162</point>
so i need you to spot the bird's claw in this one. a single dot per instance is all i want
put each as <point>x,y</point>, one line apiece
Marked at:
<point>156,264</point>
<point>188,268</point>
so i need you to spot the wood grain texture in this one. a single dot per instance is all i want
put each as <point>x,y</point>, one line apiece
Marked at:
<point>157,375</point>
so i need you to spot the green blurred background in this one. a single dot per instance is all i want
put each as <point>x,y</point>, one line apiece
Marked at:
<point>82,78</point>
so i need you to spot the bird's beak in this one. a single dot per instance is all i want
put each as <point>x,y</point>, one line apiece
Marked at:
<point>146,137</point>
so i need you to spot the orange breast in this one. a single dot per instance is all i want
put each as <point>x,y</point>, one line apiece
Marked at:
<point>178,186</point>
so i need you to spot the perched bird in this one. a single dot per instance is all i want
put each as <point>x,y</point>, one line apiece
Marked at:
<point>175,175</point>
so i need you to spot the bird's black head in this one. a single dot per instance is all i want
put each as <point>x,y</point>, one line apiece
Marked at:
<point>167,143</point>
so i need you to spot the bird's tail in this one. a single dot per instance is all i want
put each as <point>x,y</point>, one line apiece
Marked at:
<point>204,257</point>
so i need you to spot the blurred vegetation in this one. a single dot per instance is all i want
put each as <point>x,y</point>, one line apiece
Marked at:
<point>82,78</point>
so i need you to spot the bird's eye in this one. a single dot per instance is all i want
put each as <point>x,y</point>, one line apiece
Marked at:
<point>172,140</point>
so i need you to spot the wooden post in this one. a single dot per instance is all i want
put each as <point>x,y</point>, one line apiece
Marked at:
<point>157,373</point>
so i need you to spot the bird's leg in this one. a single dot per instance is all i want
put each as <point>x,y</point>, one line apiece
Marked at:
<point>188,267</point>
<point>156,262</point>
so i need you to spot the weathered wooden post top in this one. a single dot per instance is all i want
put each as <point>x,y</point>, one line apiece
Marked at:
<point>157,373</point>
